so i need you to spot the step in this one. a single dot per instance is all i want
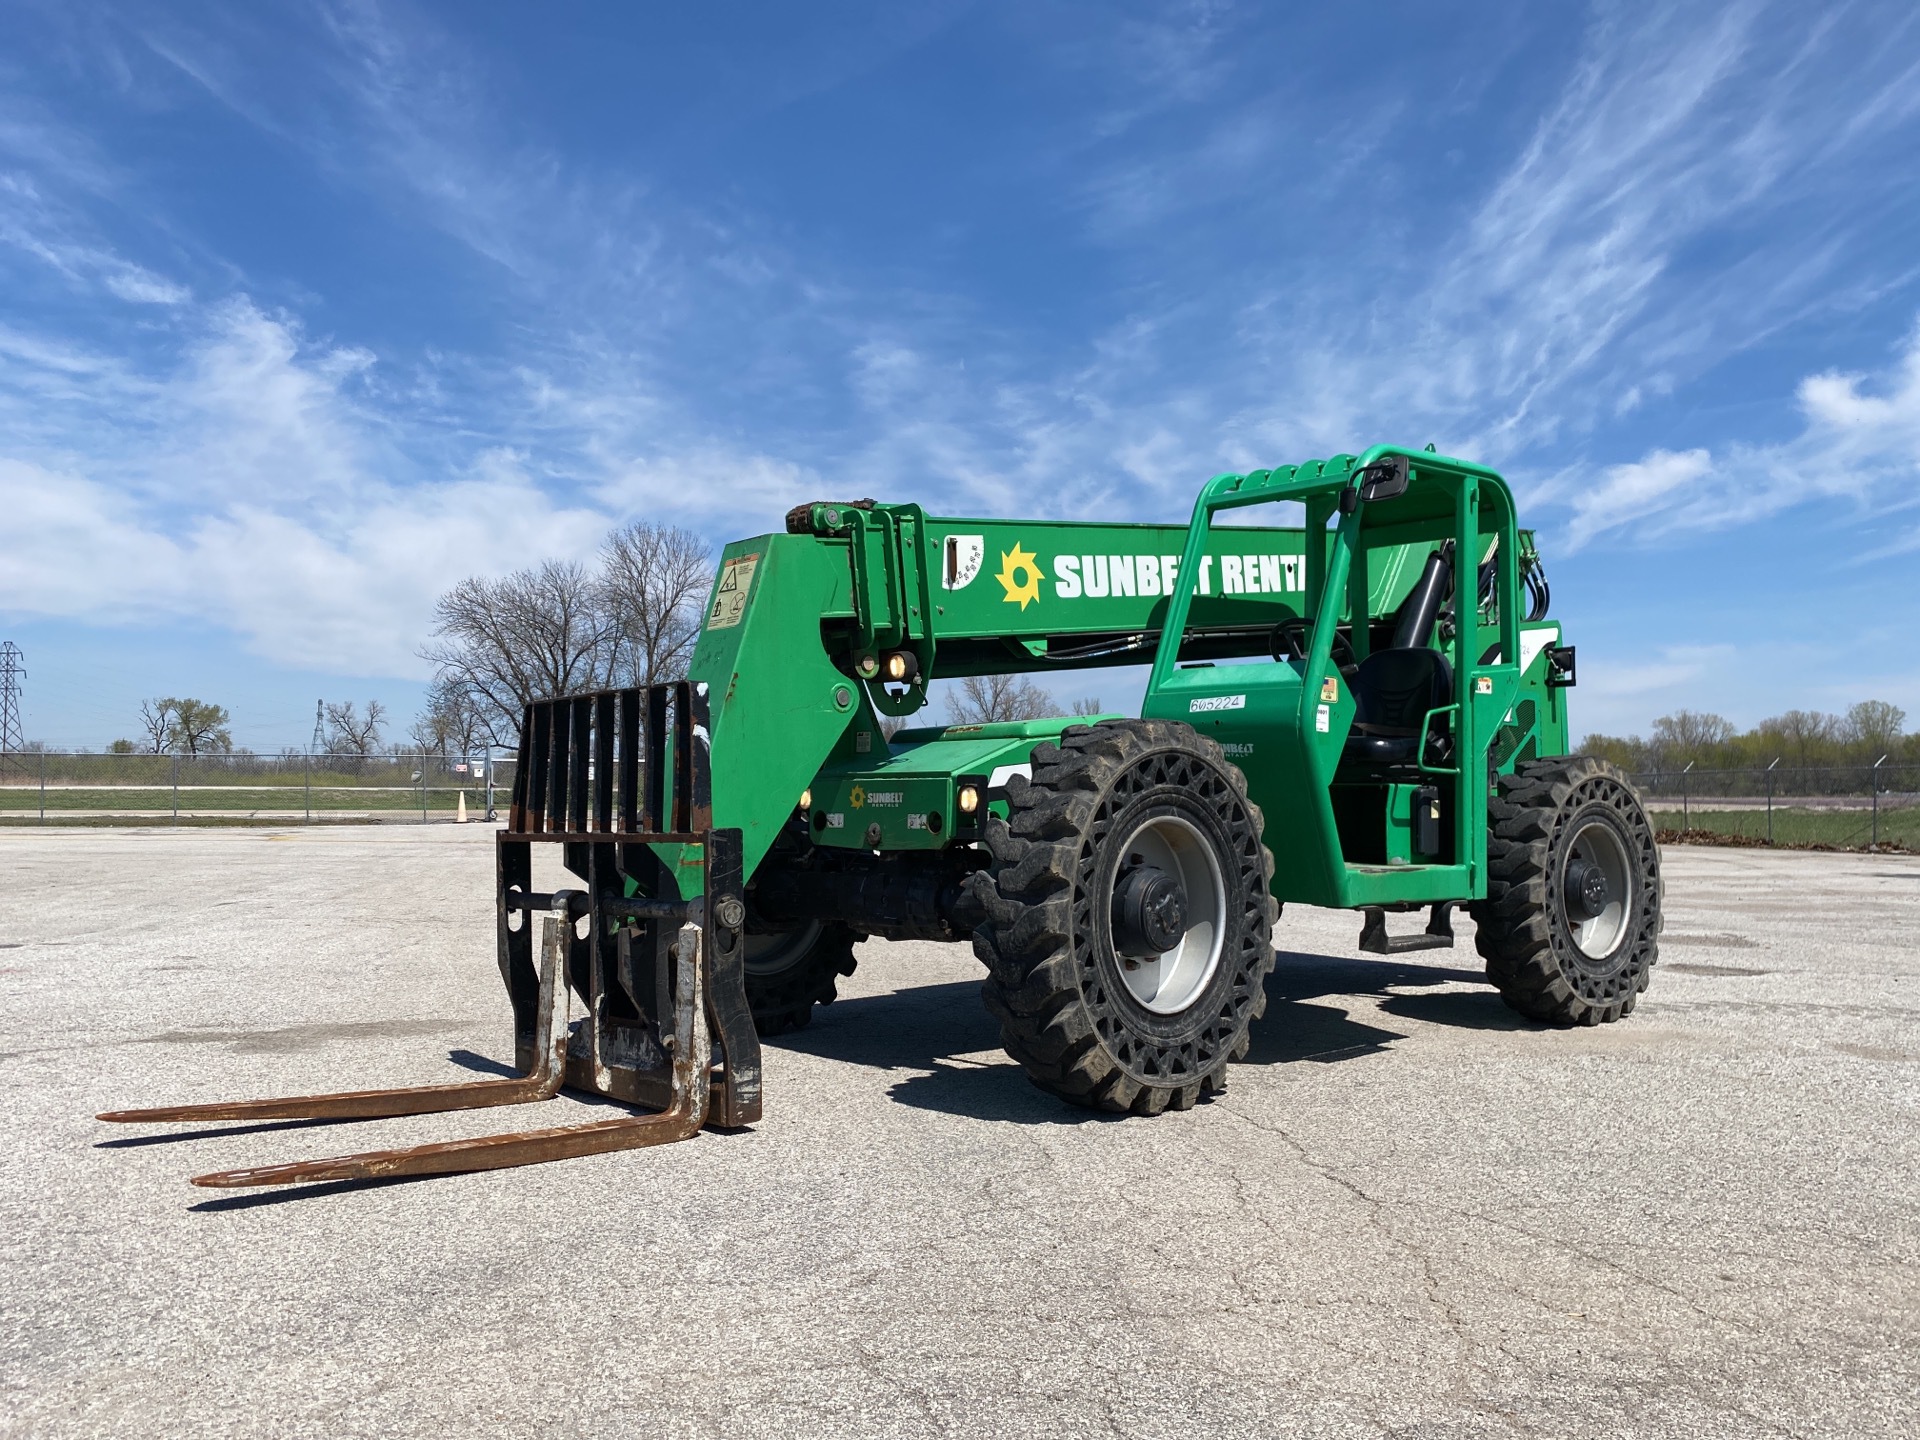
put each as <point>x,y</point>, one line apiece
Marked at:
<point>1375,940</point>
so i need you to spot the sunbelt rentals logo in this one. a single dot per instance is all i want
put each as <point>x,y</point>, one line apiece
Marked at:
<point>1023,573</point>
<point>1020,575</point>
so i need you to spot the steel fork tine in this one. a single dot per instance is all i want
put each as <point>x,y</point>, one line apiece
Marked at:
<point>540,1083</point>
<point>693,1059</point>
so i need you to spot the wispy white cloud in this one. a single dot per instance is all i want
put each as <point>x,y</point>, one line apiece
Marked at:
<point>1514,321</point>
<point>1572,291</point>
<point>1907,543</point>
<point>38,226</point>
<point>142,287</point>
<point>1671,669</point>
<point>266,413</point>
<point>1626,494</point>
<point>683,360</point>
<point>1858,447</point>
<point>1624,686</point>
<point>249,489</point>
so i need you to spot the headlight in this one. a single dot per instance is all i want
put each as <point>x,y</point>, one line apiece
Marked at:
<point>969,799</point>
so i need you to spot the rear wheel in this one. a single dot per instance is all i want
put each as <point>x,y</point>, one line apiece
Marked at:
<point>1570,928</point>
<point>1129,925</point>
<point>789,971</point>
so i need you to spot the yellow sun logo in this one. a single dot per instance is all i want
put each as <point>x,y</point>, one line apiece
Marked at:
<point>858,797</point>
<point>1012,563</point>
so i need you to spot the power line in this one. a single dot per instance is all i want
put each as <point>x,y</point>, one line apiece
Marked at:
<point>13,669</point>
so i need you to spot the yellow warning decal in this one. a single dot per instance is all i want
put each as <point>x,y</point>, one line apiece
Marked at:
<point>730,595</point>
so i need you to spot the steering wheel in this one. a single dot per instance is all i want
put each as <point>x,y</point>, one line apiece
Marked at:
<point>1290,642</point>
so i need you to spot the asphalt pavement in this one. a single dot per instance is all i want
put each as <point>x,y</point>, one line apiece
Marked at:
<point>1412,1214</point>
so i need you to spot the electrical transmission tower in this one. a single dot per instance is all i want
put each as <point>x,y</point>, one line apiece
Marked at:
<point>319,742</point>
<point>13,668</point>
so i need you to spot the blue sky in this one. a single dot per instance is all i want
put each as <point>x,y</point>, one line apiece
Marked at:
<point>308,311</point>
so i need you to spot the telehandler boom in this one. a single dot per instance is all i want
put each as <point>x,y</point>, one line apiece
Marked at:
<point>1364,710</point>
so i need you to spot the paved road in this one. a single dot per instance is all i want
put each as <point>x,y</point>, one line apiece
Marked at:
<point>1411,1214</point>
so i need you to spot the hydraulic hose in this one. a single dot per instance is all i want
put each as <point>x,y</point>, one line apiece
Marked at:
<point>1421,608</point>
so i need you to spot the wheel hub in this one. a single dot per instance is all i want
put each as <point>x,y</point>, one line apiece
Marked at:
<point>1167,913</point>
<point>777,951</point>
<point>1149,912</point>
<point>1597,889</point>
<point>1587,889</point>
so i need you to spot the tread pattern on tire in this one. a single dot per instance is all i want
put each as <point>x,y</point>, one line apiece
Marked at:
<point>1530,959</point>
<point>1043,983</point>
<point>784,1001</point>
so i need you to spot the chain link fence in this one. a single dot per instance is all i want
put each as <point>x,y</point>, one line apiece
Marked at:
<point>1840,807</point>
<point>50,787</point>
<point>1845,807</point>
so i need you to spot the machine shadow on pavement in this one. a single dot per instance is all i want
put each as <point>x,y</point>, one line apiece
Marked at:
<point>255,1199</point>
<point>218,1132</point>
<point>937,1033</point>
<point>938,1030</point>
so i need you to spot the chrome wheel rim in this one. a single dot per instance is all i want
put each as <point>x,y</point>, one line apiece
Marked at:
<point>1169,982</point>
<point>1599,845</point>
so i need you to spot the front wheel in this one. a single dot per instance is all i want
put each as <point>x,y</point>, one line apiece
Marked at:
<point>1129,924</point>
<point>1570,928</point>
<point>790,970</point>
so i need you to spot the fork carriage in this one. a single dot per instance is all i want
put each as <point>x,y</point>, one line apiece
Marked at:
<point>621,781</point>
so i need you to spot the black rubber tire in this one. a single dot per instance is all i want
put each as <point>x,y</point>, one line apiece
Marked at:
<point>1053,978</point>
<point>783,999</point>
<point>1524,930</point>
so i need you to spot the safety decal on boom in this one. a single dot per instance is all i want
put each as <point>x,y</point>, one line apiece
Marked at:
<point>963,556</point>
<point>730,595</point>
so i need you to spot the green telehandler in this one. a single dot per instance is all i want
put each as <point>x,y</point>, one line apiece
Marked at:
<point>1365,710</point>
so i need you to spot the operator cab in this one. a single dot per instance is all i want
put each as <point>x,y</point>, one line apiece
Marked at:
<point>1369,746</point>
<point>1397,687</point>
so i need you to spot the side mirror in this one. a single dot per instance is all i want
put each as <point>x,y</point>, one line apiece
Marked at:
<point>1384,479</point>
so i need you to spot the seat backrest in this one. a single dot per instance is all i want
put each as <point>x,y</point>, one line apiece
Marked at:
<point>1395,688</point>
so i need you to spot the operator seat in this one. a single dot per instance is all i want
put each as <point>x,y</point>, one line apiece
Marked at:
<point>1392,692</point>
<point>1396,686</point>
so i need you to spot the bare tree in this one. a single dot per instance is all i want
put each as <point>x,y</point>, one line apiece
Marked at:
<point>351,733</point>
<point>532,634</point>
<point>564,627</point>
<point>982,699</point>
<point>1801,733</point>
<point>1087,705</point>
<point>450,724</point>
<point>1874,725</point>
<point>1803,740</point>
<point>156,719</point>
<point>171,724</point>
<point>199,726</point>
<point>1690,735</point>
<point>653,583</point>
